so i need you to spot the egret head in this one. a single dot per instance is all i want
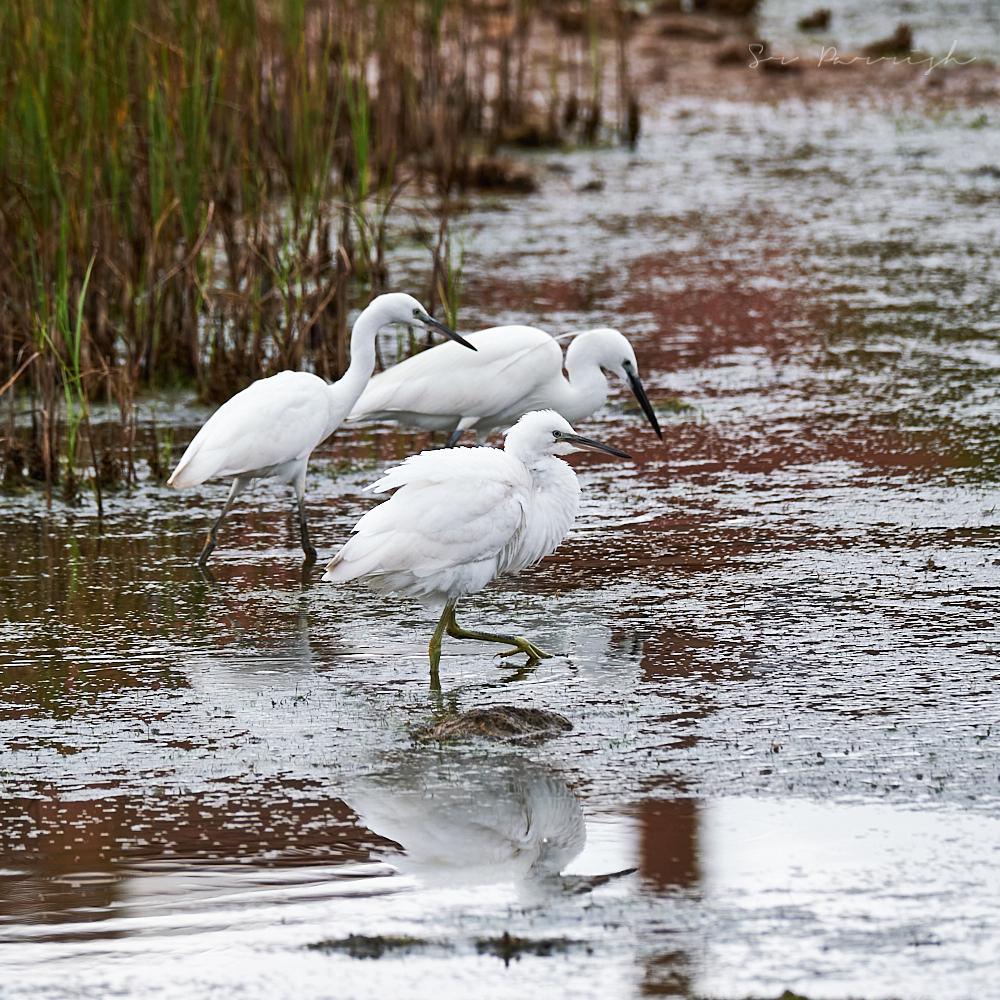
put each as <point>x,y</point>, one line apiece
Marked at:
<point>398,307</point>
<point>545,432</point>
<point>614,353</point>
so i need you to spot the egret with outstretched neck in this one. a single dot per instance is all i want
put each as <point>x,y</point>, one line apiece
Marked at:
<point>460,518</point>
<point>268,430</point>
<point>515,369</point>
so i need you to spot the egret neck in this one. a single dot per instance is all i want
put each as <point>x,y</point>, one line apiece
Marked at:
<point>344,393</point>
<point>587,389</point>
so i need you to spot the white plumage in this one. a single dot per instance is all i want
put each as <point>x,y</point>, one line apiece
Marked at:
<point>460,518</point>
<point>515,369</point>
<point>272,424</point>
<point>465,819</point>
<point>268,430</point>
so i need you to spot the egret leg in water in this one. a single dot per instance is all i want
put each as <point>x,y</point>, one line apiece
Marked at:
<point>212,539</point>
<point>300,496</point>
<point>449,625</point>
<point>307,546</point>
<point>240,483</point>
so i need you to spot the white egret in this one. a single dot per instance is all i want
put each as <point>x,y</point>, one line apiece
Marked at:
<point>268,430</point>
<point>515,369</point>
<point>460,518</point>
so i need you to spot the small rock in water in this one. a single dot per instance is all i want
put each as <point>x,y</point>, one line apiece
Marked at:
<point>900,44</point>
<point>498,722</point>
<point>500,174</point>
<point>508,947</point>
<point>13,468</point>
<point>731,8</point>
<point>362,946</point>
<point>818,20</point>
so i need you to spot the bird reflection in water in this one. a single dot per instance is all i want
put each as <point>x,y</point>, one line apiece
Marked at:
<point>471,820</point>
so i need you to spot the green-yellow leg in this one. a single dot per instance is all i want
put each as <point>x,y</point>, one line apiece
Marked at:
<point>213,536</point>
<point>520,644</point>
<point>434,649</point>
<point>448,624</point>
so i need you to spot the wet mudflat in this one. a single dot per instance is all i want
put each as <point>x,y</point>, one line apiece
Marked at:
<point>776,633</point>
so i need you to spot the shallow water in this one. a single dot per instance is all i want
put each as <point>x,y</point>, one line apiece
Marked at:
<point>971,26</point>
<point>776,634</point>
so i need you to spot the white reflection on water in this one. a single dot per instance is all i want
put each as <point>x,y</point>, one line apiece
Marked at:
<point>849,900</point>
<point>485,838</point>
<point>474,820</point>
<point>828,900</point>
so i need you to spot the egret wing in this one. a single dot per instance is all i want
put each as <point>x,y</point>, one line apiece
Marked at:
<point>509,362</point>
<point>273,421</point>
<point>437,519</point>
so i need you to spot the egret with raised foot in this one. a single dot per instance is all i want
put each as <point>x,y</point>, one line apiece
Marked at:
<point>460,518</point>
<point>268,430</point>
<point>515,369</point>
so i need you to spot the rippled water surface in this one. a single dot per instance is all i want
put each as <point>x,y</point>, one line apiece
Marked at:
<point>971,26</point>
<point>776,633</point>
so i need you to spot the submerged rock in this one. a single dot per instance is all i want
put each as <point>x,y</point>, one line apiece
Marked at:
<point>730,8</point>
<point>499,722</point>
<point>109,472</point>
<point>818,20</point>
<point>13,467</point>
<point>363,946</point>
<point>508,946</point>
<point>496,173</point>
<point>900,44</point>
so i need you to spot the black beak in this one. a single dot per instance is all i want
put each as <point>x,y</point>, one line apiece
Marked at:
<point>640,394</point>
<point>447,331</point>
<point>582,442</point>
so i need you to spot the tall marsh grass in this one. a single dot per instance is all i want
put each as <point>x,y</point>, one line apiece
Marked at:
<point>196,194</point>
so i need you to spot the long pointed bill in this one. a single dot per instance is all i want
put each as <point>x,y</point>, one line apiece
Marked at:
<point>446,330</point>
<point>640,394</point>
<point>582,442</point>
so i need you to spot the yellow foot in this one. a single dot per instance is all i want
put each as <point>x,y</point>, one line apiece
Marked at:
<point>533,653</point>
<point>206,551</point>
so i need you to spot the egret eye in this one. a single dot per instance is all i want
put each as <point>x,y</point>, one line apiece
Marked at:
<point>557,434</point>
<point>416,312</point>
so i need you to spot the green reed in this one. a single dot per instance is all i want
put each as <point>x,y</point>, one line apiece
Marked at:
<point>64,340</point>
<point>212,184</point>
